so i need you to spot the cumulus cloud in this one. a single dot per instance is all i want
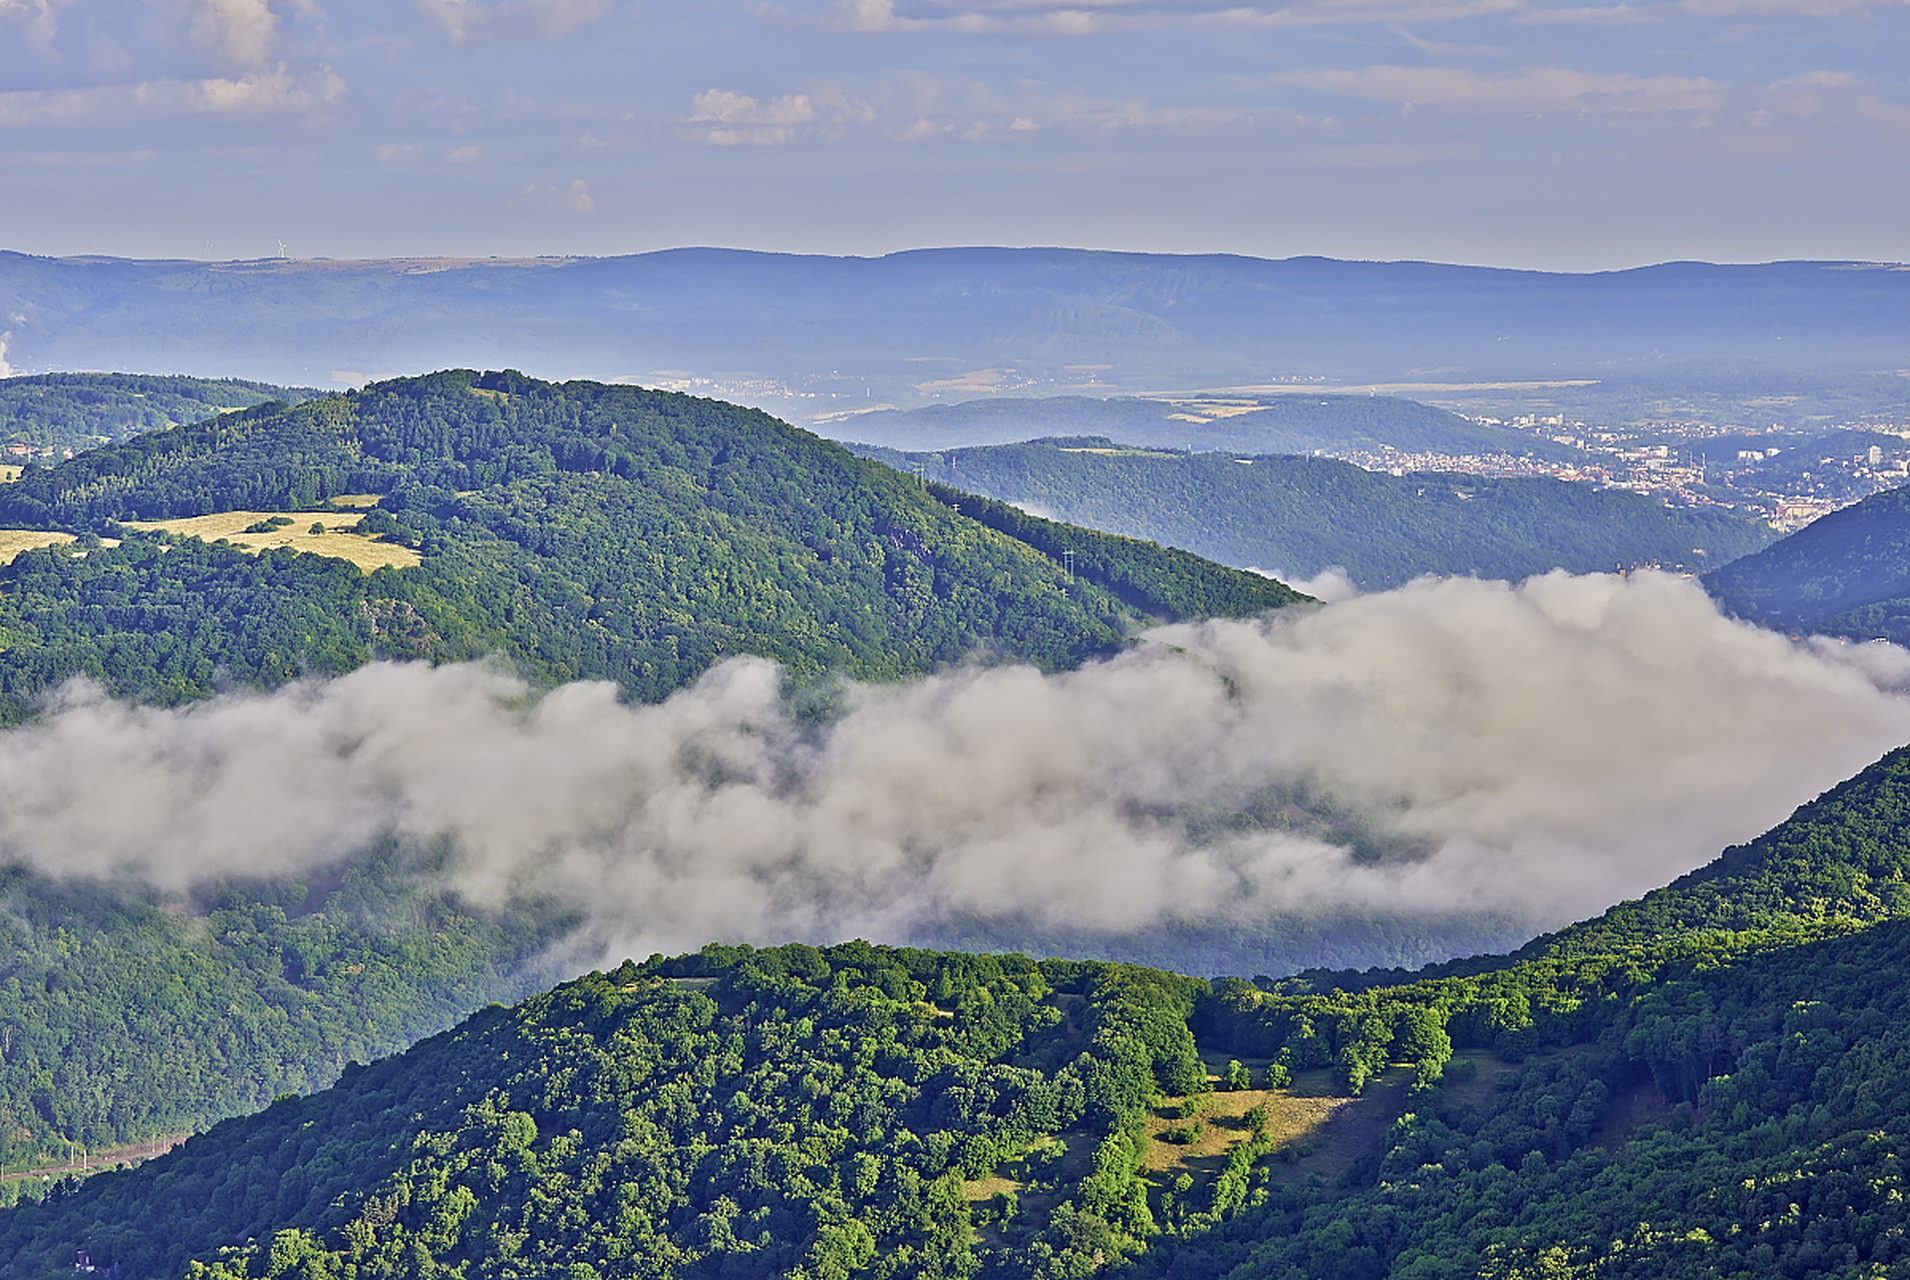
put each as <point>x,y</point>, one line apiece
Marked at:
<point>263,93</point>
<point>736,119</point>
<point>74,63</point>
<point>242,34</point>
<point>1537,751</point>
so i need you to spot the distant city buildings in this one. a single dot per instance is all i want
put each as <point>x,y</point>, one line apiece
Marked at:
<point>1668,461</point>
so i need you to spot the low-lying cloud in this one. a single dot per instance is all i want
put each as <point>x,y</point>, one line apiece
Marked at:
<point>1539,750</point>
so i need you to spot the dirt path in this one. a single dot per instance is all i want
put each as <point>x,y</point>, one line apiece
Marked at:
<point>99,1161</point>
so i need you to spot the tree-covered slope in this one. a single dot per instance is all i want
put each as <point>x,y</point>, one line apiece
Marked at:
<point>53,412</point>
<point>737,1113</point>
<point>1847,573</point>
<point>1720,1089</point>
<point>580,531</point>
<point>1301,515</point>
<point>125,1017</point>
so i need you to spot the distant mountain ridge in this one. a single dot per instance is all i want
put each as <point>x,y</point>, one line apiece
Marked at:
<point>911,327</point>
<point>1293,423</point>
<point>1299,516</point>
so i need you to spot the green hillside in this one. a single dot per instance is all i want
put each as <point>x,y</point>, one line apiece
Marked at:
<point>580,531</point>
<point>1712,1082</point>
<point>1300,515</point>
<point>49,413</point>
<point>1844,574</point>
<point>125,1018</point>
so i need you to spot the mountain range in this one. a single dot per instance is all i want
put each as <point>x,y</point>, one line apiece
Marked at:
<point>817,336</point>
<point>1708,1081</point>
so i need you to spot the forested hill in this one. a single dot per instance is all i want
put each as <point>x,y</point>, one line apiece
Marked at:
<point>579,531</point>
<point>1300,515</point>
<point>1844,574</point>
<point>49,413</point>
<point>1714,1092</point>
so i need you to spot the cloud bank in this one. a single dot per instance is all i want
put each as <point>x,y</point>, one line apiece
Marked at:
<point>1539,750</point>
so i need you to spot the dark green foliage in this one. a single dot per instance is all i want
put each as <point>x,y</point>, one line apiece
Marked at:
<point>121,1020</point>
<point>1845,574</point>
<point>1302,515</point>
<point>1145,575</point>
<point>168,622</point>
<point>78,411</point>
<point>1783,1156</point>
<point>582,532</point>
<point>791,1111</point>
<point>1777,1044</point>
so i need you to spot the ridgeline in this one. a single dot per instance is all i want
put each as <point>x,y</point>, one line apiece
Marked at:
<point>580,531</point>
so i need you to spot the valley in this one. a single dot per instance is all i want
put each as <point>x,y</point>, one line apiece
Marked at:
<point>1617,1097</point>
<point>996,1116</point>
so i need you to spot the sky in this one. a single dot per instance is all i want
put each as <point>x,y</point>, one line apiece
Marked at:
<point>1576,135</point>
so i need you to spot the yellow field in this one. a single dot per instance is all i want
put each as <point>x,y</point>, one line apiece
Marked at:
<point>337,541</point>
<point>9,474</point>
<point>1290,1118</point>
<point>14,541</point>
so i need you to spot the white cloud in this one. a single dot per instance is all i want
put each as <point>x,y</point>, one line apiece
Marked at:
<point>740,120</point>
<point>275,92</point>
<point>464,155</point>
<point>242,34</point>
<point>1537,90</point>
<point>513,21</point>
<point>259,93</point>
<point>1537,750</point>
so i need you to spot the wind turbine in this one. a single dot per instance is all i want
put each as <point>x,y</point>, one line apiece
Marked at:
<point>282,252</point>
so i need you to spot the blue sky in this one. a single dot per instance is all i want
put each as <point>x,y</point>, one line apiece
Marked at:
<point>1564,135</point>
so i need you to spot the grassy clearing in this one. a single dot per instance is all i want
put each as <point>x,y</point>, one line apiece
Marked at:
<point>1033,1179</point>
<point>1210,409</point>
<point>1221,1122</point>
<point>10,473</point>
<point>1352,1127</point>
<point>14,541</point>
<point>337,541</point>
